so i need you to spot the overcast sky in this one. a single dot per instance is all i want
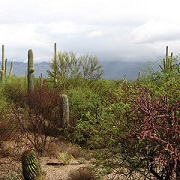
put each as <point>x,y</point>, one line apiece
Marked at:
<point>109,29</point>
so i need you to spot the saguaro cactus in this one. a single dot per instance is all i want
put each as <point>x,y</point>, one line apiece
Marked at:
<point>41,80</point>
<point>11,68</point>
<point>30,71</point>
<point>64,110</point>
<point>167,62</point>
<point>30,166</point>
<point>55,65</point>
<point>3,66</point>
<point>5,70</point>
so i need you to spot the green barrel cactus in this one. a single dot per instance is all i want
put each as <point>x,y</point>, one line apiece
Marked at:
<point>30,166</point>
<point>30,71</point>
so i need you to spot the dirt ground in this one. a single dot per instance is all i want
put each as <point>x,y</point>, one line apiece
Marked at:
<point>53,166</point>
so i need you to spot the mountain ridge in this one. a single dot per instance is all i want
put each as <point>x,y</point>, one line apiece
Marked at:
<point>112,69</point>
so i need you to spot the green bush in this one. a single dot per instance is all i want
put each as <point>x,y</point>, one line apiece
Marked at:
<point>15,89</point>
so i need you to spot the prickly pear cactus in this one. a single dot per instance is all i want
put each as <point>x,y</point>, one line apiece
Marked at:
<point>30,166</point>
<point>31,70</point>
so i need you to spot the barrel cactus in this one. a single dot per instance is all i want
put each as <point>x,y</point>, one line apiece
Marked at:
<point>30,166</point>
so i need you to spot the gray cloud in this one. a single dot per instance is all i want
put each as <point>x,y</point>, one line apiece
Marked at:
<point>155,31</point>
<point>110,29</point>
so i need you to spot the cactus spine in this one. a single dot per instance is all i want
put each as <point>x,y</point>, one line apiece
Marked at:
<point>30,71</point>
<point>30,166</point>
<point>64,110</point>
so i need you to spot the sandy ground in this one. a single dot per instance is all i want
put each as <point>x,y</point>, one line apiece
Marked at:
<point>54,167</point>
<point>60,172</point>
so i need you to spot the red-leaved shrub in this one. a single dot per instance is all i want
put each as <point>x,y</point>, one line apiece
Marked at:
<point>158,130</point>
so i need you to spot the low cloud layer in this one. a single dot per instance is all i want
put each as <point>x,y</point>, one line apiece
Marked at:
<point>110,29</point>
<point>156,31</point>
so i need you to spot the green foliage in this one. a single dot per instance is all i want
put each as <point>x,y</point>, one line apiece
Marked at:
<point>170,64</point>
<point>102,112</point>
<point>7,123</point>
<point>67,65</point>
<point>15,90</point>
<point>65,158</point>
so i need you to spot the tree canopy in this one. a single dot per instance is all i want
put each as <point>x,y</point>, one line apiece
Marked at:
<point>69,65</point>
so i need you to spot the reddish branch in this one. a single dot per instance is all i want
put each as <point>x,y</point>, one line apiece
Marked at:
<point>159,123</point>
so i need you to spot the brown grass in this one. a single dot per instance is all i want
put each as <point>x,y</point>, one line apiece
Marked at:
<point>82,173</point>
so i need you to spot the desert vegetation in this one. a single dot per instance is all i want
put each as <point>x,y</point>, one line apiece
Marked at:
<point>129,129</point>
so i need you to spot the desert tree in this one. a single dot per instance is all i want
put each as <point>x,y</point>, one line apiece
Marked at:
<point>69,65</point>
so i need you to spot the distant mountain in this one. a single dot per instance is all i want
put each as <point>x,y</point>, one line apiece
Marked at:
<point>112,69</point>
<point>119,69</point>
<point>20,68</point>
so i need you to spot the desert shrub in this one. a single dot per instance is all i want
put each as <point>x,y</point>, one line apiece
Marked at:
<point>45,102</point>
<point>82,173</point>
<point>12,175</point>
<point>153,142</point>
<point>100,119</point>
<point>8,127</point>
<point>82,101</point>
<point>15,90</point>
<point>74,150</point>
<point>40,119</point>
<point>7,120</point>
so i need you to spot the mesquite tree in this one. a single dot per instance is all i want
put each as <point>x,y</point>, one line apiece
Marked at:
<point>68,65</point>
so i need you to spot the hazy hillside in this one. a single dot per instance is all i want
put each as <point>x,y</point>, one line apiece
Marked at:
<point>112,69</point>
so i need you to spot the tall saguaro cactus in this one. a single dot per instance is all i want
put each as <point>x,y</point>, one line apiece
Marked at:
<point>55,65</point>
<point>167,62</point>
<point>5,70</point>
<point>11,68</point>
<point>3,66</point>
<point>64,110</point>
<point>30,71</point>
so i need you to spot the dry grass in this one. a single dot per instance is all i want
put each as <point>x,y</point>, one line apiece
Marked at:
<point>82,173</point>
<point>74,150</point>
